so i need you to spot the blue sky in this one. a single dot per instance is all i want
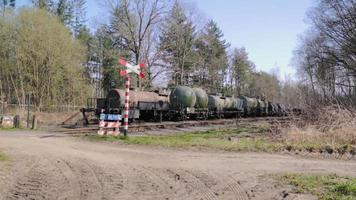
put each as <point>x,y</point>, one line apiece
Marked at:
<point>268,29</point>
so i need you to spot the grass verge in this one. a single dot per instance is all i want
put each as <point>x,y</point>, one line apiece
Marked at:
<point>255,138</point>
<point>326,187</point>
<point>236,139</point>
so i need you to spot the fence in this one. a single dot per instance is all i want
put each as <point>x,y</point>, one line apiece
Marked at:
<point>19,108</point>
<point>51,115</point>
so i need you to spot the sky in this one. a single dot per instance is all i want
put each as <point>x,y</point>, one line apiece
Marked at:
<point>268,29</point>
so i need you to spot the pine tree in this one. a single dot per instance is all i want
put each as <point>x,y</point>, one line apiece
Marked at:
<point>176,44</point>
<point>64,11</point>
<point>79,16</point>
<point>43,4</point>
<point>211,49</point>
<point>241,69</point>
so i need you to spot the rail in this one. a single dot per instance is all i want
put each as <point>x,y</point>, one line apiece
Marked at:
<point>141,127</point>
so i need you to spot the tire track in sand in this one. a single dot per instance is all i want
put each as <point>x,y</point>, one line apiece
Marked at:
<point>194,185</point>
<point>110,179</point>
<point>225,183</point>
<point>140,182</point>
<point>39,182</point>
<point>90,187</point>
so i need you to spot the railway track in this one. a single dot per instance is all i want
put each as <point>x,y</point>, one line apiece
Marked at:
<point>147,126</point>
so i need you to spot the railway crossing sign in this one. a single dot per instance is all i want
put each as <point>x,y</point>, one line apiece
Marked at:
<point>129,69</point>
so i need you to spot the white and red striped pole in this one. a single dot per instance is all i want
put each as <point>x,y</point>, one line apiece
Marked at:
<point>127,100</point>
<point>129,69</point>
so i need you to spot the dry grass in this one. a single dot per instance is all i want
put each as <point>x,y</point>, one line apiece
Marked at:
<point>311,134</point>
<point>331,128</point>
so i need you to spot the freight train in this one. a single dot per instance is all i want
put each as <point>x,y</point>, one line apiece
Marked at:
<point>183,103</point>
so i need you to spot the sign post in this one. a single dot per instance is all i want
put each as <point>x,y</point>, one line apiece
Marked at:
<point>129,69</point>
<point>127,105</point>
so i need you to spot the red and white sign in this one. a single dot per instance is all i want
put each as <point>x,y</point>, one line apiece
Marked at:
<point>104,124</point>
<point>129,69</point>
<point>109,128</point>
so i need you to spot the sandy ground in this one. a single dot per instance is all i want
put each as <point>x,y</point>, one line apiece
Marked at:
<point>54,166</point>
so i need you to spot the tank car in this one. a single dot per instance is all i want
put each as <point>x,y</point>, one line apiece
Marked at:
<point>216,105</point>
<point>249,106</point>
<point>233,107</point>
<point>262,108</point>
<point>201,105</point>
<point>272,109</point>
<point>143,105</point>
<point>182,102</point>
<point>281,110</point>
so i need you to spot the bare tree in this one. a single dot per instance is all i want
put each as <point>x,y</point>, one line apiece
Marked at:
<point>131,22</point>
<point>327,54</point>
<point>152,57</point>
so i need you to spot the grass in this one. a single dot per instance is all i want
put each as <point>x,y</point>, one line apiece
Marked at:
<point>10,128</point>
<point>225,139</point>
<point>318,147</point>
<point>326,187</point>
<point>249,137</point>
<point>3,157</point>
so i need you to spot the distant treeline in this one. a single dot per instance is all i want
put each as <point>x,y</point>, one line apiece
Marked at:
<point>47,50</point>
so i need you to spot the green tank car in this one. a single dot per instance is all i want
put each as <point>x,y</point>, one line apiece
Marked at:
<point>182,97</point>
<point>249,105</point>
<point>215,103</point>
<point>230,103</point>
<point>202,98</point>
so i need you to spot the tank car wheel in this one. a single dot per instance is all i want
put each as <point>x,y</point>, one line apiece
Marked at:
<point>206,116</point>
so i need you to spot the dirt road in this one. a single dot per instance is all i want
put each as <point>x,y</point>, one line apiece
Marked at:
<point>54,166</point>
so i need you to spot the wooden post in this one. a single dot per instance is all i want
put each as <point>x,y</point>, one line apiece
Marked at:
<point>34,122</point>
<point>17,121</point>
<point>28,111</point>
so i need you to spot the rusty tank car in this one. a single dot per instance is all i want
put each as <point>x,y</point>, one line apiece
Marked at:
<point>142,104</point>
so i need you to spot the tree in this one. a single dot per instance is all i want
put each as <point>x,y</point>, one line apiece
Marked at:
<point>326,57</point>
<point>151,55</point>
<point>176,44</point>
<point>79,17</point>
<point>211,49</point>
<point>105,55</point>
<point>265,86</point>
<point>131,21</point>
<point>7,4</point>
<point>63,9</point>
<point>7,54</point>
<point>43,4</point>
<point>242,69</point>
<point>44,60</point>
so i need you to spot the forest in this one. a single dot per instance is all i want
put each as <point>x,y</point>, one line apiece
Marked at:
<point>48,51</point>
